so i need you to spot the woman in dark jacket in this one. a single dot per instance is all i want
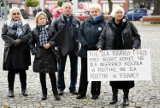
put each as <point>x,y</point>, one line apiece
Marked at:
<point>119,34</point>
<point>15,33</point>
<point>42,47</point>
<point>89,33</point>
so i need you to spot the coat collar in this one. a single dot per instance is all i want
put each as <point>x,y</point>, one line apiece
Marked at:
<point>74,20</point>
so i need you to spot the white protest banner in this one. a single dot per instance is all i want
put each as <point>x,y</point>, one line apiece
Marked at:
<point>119,65</point>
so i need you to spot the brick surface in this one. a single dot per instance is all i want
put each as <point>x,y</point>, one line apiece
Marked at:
<point>145,94</point>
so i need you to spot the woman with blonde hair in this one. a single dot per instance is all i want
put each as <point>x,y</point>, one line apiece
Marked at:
<point>42,47</point>
<point>89,33</point>
<point>16,33</point>
<point>119,34</point>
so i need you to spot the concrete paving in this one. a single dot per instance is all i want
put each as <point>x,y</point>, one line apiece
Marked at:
<point>145,94</point>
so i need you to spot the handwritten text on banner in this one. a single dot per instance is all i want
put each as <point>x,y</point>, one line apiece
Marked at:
<point>115,65</point>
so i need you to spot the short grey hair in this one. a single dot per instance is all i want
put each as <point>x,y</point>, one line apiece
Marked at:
<point>67,3</point>
<point>95,6</point>
<point>115,10</point>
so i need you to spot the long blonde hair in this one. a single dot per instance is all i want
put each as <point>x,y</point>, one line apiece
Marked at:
<point>11,16</point>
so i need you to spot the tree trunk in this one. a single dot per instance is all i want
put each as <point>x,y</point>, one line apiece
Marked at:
<point>110,4</point>
<point>156,10</point>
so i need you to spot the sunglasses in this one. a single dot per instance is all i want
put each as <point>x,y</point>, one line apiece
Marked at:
<point>16,13</point>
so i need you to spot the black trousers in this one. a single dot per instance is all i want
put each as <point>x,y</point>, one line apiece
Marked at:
<point>95,85</point>
<point>53,82</point>
<point>11,78</point>
<point>125,91</point>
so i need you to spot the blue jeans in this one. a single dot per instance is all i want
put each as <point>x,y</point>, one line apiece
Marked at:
<point>74,71</point>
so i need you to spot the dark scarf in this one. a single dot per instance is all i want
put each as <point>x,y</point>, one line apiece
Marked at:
<point>43,35</point>
<point>118,28</point>
<point>18,26</point>
<point>68,20</point>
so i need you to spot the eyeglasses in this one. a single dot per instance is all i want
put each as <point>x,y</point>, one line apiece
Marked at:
<point>16,13</point>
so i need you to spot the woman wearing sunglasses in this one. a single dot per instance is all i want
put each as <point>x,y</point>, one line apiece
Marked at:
<point>16,60</point>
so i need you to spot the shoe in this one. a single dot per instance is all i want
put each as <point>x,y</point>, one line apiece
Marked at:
<point>44,94</point>
<point>11,93</point>
<point>113,101</point>
<point>125,98</point>
<point>94,96</point>
<point>115,96</point>
<point>57,97</point>
<point>60,92</point>
<point>80,96</point>
<point>24,92</point>
<point>74,92</point>
<point>44,97</point>
<point>125,102</point>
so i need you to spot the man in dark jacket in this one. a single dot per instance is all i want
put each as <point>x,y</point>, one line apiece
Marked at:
<point>48,13</point>
<point>67,25</point>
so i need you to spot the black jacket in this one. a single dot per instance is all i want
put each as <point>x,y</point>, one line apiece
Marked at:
<point>16,57</point>
<point>45,60</point>
<point>60,23</point>
<point>89,34</point>
<point>130,36</point>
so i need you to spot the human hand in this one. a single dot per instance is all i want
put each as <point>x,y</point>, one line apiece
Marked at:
<point>17,42</point>
<point>99,50</point>
<point>133,49</point>
<point>46,46</point>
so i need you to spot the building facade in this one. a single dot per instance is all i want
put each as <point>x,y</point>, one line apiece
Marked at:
<point>104,4</point>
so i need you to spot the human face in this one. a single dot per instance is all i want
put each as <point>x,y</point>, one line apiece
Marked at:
<point>41,20</point>
<point>67,9</point>
<point>119,15</point>
<point>16,15</point>
<point>94,12</point>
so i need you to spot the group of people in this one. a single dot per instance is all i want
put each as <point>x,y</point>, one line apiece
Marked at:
<point>66,36</point>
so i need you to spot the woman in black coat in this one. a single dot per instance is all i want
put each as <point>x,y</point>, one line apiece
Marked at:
<point>15,33</point>
<point>119,34</point>
<point>42,47</point>
<point>89,33</point>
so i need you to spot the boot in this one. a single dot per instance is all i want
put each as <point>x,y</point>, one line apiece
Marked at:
<point>11,93</point>
<point>57,97</point>
<point>115,96</point>
<point>125,98</point>
<point>44,94</point>
<point>55,93</point>
<point>23,77</point>
<point>11,77</point>
<point>24,91</point>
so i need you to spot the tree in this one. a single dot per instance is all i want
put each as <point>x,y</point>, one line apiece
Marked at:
<point>31,3</point>
<point>60,2</point>
<point>110,4</point>
<point>156,10</point>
